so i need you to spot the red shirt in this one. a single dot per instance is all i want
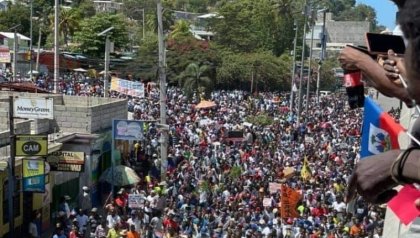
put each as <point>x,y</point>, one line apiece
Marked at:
<point>169,223</point>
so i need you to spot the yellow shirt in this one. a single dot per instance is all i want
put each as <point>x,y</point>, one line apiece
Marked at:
<point>112,233</point>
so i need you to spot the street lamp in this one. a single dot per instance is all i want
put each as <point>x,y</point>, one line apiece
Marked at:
<point>313,23</point>
<point>302,63</point>
<point>107,46</point>
<point>323,49</point>
<point>292,87</point>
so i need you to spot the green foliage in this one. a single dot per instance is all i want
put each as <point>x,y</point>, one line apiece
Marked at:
<point>328,81</point>
<point>184,50</point>
<point>86,9</point>
<point>235,29</point>
<point>260,119</point>
<point>94,45</point>
<point>265,70</point>
<point>145,65</point>
<point>194,80</point>
<point>181,29</point>
<point>15,14</point>
<point>68,23</point>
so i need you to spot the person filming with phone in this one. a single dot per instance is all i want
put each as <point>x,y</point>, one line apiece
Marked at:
<point>374,178</point>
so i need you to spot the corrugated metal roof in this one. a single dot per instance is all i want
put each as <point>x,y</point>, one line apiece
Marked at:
<point>11,35</point>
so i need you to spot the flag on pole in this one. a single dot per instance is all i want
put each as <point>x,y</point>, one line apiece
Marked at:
<point>379,132</point>
<point>306,172</point>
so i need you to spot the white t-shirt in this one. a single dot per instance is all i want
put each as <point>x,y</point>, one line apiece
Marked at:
<point>136,222</point>
<point>339,207</point>
<point>112,220</point>
<point>33,230</point>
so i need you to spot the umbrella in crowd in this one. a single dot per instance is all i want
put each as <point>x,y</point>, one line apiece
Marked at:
<point>81,70</point>
<point>120,176</point>
<point>205,104</point>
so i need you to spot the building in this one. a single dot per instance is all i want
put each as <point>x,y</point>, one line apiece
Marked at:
<point>81,125</point>
<point>338,34</point>
<point>198,23</point>
<point>7,49</point>
<point>107,6</point>
<point>4,5</point>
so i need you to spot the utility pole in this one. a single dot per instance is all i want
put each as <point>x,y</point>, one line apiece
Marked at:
<point>292,91</point>
<point>310,62</point>
<point>30,43</point>
<point>323,50</point>
<point>107,49</point>
<point>15,53</point>
<point>162,85</point>
<point>56,47</point>
<point>11,171</point>
<point>106,71</point>
<point>39,50</point>
<point>302,66</point>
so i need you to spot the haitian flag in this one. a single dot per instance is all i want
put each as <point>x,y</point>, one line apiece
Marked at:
<point>379,132</point>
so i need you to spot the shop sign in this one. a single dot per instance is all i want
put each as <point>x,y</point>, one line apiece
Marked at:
<point>31,145</point>
<point>33,108</point>
<point>127,130</point>
<point>66,161</point>
<point>33,175</point>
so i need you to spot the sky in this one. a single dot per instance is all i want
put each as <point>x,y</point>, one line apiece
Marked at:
<point>385,11</point>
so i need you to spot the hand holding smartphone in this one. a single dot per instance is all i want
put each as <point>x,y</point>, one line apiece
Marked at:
<point>379,44</point>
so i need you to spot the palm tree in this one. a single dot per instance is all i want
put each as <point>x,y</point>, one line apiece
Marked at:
<point>68,23</point>
<point>180,29</point>
<point>193,80</point>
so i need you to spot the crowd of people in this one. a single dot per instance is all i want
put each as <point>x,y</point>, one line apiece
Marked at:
<point>220,186</point>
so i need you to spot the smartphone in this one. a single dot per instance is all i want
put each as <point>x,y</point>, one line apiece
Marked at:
<point>381,43</point>
<point>363,49</point>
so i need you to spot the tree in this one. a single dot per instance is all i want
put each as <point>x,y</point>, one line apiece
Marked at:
<point>94,45</point>
<point>145,65</point>
<point>68,23</point>
<point>193,80</point>
<point>361,12</point>
<point>167,20</point>
<point>180,29</point>
<point>263,70</point>
<point>85,9</point>
<point>235,28</point>
<point>14,15</point>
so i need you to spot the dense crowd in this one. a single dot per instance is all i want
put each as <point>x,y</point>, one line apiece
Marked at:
<point>219,186</point>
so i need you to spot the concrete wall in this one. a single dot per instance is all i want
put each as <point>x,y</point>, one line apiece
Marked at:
<point>72,114</point>
<point>347,31</point>
<point>23,127</point>
<point>87,115</point>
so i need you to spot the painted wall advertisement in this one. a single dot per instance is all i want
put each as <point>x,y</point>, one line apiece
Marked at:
<point>33,175</point>
<point>67,161</point>
<point>127,130</point>
<point>33,108</point>
<point>31,145</point>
